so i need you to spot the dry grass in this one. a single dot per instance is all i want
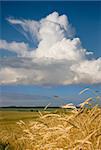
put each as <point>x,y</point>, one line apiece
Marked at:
<point>81,130</point>
<point>78,130</point>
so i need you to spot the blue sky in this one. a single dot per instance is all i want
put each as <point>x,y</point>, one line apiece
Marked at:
<point>40,96</point>
<point>85,17</point>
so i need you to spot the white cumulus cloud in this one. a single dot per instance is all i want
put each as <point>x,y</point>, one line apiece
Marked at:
<point>57,56</point>
<point>19,48</point>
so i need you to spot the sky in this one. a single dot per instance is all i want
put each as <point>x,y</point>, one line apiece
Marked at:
<point>49,48</point>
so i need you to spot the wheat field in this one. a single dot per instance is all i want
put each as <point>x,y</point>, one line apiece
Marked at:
<point>76,129</point>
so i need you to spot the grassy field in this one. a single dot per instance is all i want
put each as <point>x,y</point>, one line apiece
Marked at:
<point>57,129</point>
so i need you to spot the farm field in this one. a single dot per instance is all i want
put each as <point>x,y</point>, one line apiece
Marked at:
<point>10,116</point>
<point>55,129</point>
